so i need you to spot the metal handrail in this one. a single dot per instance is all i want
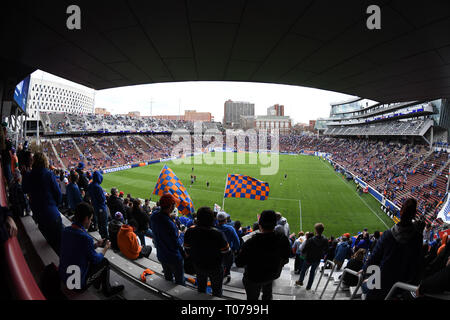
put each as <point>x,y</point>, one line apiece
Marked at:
<point>360,280</point>
<point>321,274</point>
<point>403,286</point>
<point>333,265</point>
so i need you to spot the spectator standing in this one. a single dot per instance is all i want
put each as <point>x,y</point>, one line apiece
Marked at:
<point>282,225</point>
<point>6,146</point>
<point>83,181</point>
<point>398,253</point>
<point>142,220</point>
<point>314,250</point>
<point>97,196</point>
<point>146,207</point>
<point>74,196</point>
<point>44,193</point>
<point>115,204</point>
<point>206,246</point>
<point>296,250</point>
<point>263,256</point>
<point>165,237</point>
<point>17,198</point>
<point>233,242</point>
<point>343,251</point>
<point>63,187</point>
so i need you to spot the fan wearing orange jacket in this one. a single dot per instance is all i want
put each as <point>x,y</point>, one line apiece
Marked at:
<point>129,244</point>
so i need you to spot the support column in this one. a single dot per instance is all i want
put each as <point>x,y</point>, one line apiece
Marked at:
<point>431,138</point>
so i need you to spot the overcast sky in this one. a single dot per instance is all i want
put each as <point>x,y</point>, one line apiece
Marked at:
<point>300,103</point>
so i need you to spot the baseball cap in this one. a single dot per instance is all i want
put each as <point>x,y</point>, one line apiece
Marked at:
<point>121,193</point>
<point>221,216</point>
<point>81,165</point>
<point>346,235</point>
<point>118,216</point>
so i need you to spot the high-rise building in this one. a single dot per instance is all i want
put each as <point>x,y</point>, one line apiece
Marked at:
<point>233,110</point>
<point>276,110</point>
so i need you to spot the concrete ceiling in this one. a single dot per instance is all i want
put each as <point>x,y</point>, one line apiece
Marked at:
<point>320,44</point>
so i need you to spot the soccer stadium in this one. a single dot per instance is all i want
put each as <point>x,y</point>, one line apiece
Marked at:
<point>104,206</point>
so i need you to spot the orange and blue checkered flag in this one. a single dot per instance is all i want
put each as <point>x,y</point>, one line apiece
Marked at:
<point>240,186</point>
<point>168,182</point>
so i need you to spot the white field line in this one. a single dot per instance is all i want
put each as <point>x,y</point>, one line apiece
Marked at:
<point>359,197</point>
<point>300,206</point>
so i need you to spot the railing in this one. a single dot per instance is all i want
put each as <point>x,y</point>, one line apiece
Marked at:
<point>24,287</point>
<point>400,285</point>
<point>333,267</point>
<point>356,274</point>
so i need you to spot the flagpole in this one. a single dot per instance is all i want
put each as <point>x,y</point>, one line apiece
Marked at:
<point>224,190</point>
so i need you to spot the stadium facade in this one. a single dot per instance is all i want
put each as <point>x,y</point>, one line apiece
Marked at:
<point>413,121</point>
<point>51,96</point>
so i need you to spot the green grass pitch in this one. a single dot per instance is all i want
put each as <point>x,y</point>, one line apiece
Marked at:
<point>312,192</point>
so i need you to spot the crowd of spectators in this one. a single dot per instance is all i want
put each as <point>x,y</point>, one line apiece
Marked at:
<point>210,243</point>
<point>55,122</point>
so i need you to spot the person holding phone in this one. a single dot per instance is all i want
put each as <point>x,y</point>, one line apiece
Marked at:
<point>78,252</point>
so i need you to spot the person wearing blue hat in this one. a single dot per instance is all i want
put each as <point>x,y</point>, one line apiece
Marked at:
<point>98,198</point>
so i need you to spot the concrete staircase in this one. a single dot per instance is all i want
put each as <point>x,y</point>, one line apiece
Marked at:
<point>57,155</point>
<point>76,147</point>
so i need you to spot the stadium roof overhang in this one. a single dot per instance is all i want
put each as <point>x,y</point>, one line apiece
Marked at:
<point>320,44</point>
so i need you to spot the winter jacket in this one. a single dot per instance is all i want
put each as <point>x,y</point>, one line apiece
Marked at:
<point>364,244</point>
<point>165,236</point>
<point>398,253</point>
<point>282,227</point>
<point>83,181</point>
<point>116,205</point>
<point>230,235</point>
<point>141,218</point>
<point>77,248</point>
<point>113,229</point>
<point>263,256</point>
<point>315,248</point>
<point>206,246</point>
<point>343,251</point>
<point>45,195</point>
<point>128,242</point>
<point>96,192</point>
<point>73,195</point>
<point>349,279</point>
